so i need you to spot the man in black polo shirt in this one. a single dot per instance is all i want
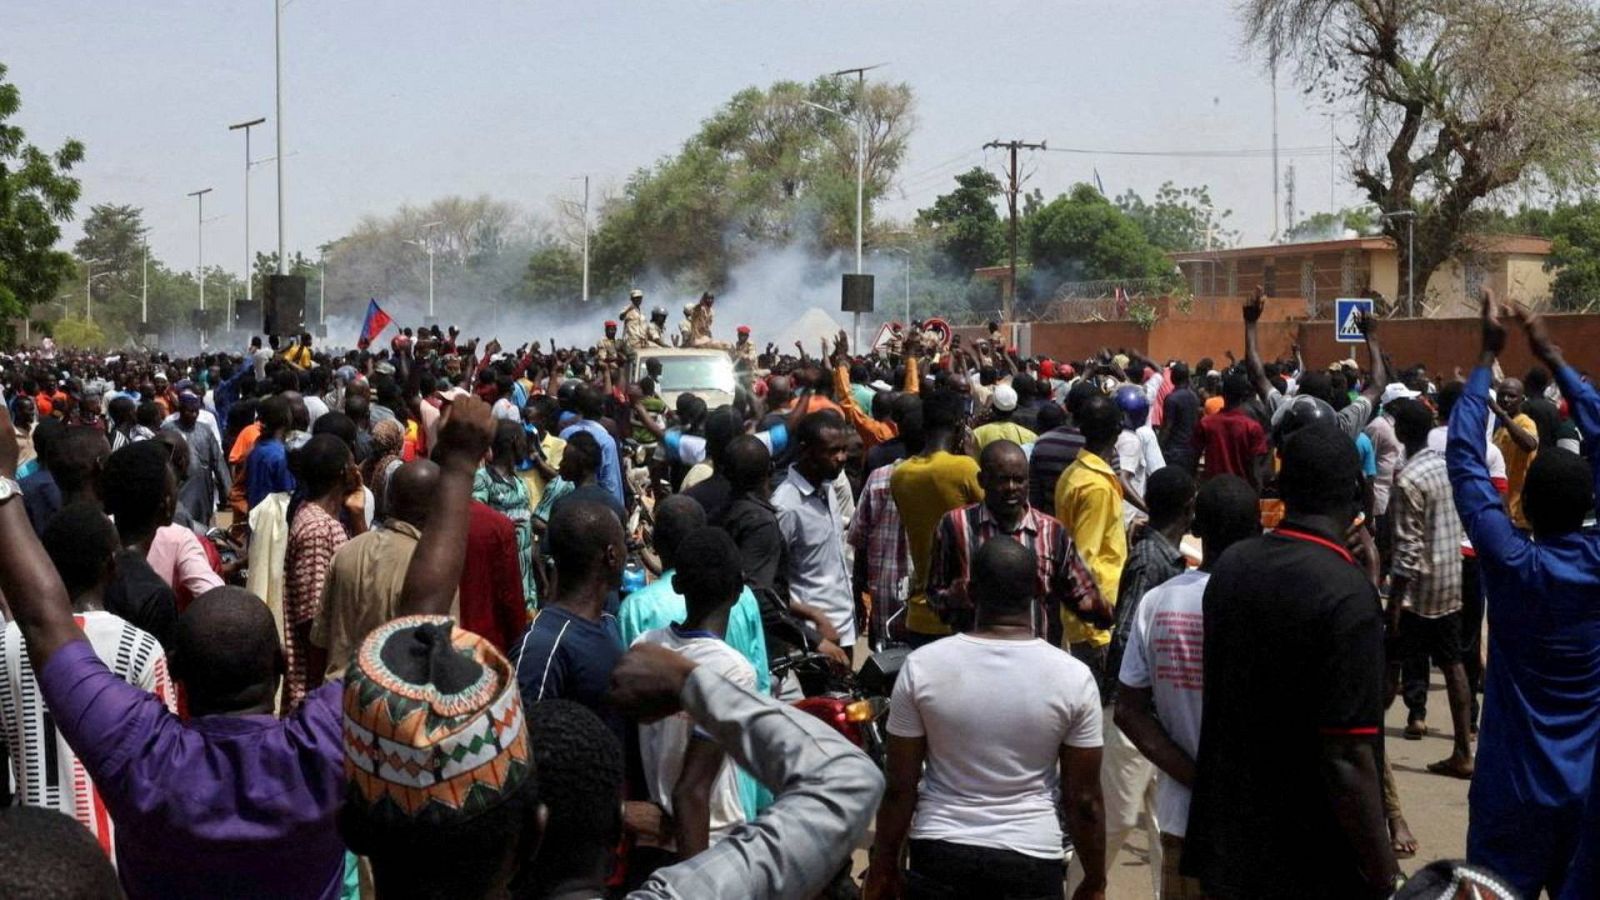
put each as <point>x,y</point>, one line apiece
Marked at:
<point>1287,797</point>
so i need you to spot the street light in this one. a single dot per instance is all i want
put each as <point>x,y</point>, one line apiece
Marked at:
<point>249,290</point>
<point>200,250</point>
<point>428,246</point>
<point>88,287</point>
<point>1410,215</point>
<point>277,75</point>
<point>908,277</point>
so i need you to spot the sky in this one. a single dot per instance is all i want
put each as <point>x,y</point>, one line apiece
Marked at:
<point>402,102</point>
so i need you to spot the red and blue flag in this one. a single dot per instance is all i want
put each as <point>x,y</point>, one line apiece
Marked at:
<point>373,325</point>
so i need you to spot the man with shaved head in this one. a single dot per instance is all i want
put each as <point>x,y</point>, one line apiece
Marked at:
<point>367,572</point>
<point>1064,582</point>
<point>573,644</point>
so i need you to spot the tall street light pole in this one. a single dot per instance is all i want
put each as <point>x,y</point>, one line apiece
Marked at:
<point>200,249</point>
<point>427,245</point>
<point>586,239</point>
<point>144,286</point>
<point>322,290</point>
<point>277,66</point>
<point>249,291</point>
<point>1410,215</point>
<point>88,288</point>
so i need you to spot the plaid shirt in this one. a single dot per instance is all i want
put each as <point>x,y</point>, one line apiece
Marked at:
<point>1063,578</point>
<point>877,535</point>
<point>1427,536</point>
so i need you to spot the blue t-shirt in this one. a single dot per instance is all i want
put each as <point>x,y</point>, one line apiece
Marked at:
<point>563,655</point>
<point>1369,455</point>
<point>266,471</point>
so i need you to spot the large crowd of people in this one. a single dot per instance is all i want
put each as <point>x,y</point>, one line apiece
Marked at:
<point>446,618</point>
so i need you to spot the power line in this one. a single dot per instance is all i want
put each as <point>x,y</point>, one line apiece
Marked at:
<point>1200,154</point>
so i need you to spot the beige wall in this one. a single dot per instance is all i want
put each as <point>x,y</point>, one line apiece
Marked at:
<point>1384,273</point>
<point>1527,281</point>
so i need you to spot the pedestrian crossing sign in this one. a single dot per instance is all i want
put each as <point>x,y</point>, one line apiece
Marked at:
<point>1347,312</point>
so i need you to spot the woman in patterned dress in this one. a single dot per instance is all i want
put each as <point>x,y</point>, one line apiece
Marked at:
<point>498,486</point>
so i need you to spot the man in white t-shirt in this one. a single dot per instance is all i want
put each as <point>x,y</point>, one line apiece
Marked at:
<point>81,542</point>
<point>689,775</point>
<point>1159,691</point>
<point>1002,720</point>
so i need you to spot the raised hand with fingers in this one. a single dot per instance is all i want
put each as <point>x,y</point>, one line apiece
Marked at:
<point>1494,332</point>
<point>1254,306</point>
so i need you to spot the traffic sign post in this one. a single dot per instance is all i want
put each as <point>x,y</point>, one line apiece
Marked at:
<point>1347,312</point>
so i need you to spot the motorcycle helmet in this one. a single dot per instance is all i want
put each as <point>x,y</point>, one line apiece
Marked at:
<point>659,312</point>
<point>1134,404</point>
<point>1301,412</point>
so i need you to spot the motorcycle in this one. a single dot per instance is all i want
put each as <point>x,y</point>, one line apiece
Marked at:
<point>854,704</point>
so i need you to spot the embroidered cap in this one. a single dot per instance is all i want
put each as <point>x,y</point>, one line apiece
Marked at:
<point>433,725</point>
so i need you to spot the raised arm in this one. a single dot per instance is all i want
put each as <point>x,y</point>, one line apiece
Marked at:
<point>1252,344</point>
<point>1380,372</point>
<point>1477,501</point>
<point>28,580</point>
<point>435,570</point>
<point>1581,397</point>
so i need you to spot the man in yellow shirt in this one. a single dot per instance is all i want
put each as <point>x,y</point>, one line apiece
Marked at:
<point>1089,503</point>
<point>938,477</point>
<point>1518,439</point>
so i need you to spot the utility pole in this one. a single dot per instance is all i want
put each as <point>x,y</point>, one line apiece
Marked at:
<point>1008,296</point>
<point>1276,235</point>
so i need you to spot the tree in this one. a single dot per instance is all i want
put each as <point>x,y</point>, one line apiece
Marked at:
<point>79,333</point>
<point>1456,100</point>
<point>967,224</point>
<point>36,196</point>
<point>1575,255</point>
<point>767,168</point>
<point>555,272</point>
<point>1328,226</point>
<point>114,235</point>
<point>1081,236</point>
<point>1180,218</point>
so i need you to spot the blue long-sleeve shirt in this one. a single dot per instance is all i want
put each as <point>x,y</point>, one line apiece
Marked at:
<point>609,475</point>
<point>267,471</point>
<point>1541,703</point>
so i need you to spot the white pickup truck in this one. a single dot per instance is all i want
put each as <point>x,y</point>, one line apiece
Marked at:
<point>703,371</point>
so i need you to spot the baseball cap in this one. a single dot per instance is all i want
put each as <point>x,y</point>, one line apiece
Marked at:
<point>1397,391</point>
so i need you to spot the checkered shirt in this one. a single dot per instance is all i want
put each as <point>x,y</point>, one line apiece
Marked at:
<point>1427,535</point>
<point>876,532</point>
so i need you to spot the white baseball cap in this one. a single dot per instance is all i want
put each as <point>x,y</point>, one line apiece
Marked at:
<point>1398,391</point>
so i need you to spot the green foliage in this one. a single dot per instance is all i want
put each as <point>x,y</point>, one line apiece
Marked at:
<point>767,168</point>
<point>80,334</point>
<point>36,196</point>
<point>1143,314</point>
<point>966,224</point>
<point>1575,254</point>
<point>1081,236</point>
<point>1534,220</point>
<point>555,272</point>
<point>1179,218</point>
<point>114,235</point>
<point>266,265</point>
<point>1326,226</point>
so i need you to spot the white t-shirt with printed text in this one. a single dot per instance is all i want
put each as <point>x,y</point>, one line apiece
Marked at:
<point>1166,653</point>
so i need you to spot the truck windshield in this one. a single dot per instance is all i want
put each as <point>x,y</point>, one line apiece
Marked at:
<point>696,373</point>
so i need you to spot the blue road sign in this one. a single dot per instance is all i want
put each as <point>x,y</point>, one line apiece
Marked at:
<point>1346,311</point>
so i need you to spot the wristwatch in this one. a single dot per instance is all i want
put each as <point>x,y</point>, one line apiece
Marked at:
<point>9,489</point>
